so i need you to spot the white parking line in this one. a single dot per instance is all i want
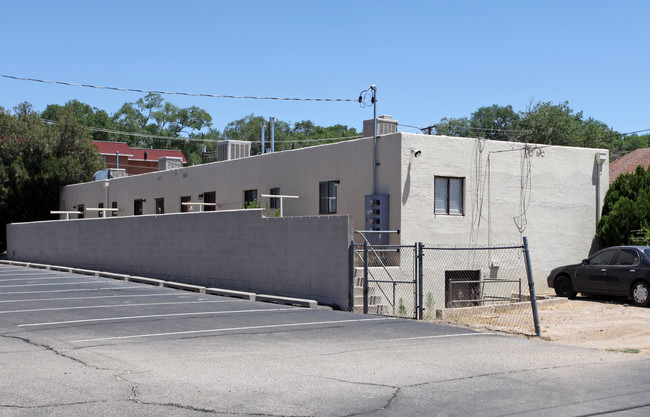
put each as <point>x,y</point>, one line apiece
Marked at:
<point>35,275</point>
<point>112,306</point>
<point>135,287</point>
<point>269,326</point>
<point>89,298</point>
<point>50,284</point>
<point>203,313</point>
<point>41,278</point>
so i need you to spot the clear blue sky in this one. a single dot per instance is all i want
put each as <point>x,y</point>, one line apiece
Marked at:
<point>429,59</point>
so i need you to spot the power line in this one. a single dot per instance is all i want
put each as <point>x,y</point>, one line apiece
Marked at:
<point>137,90</point>
<point>189,139</point>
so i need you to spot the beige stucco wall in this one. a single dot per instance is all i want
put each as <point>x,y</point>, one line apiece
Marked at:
<point>560,212</point>
<point>560,215</point>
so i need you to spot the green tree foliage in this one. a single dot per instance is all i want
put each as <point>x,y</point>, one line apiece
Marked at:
<point>85,114</point>
<point>542,123</point>
<point>36,159</point>
<point>301,134</point>
<point>626,210</point>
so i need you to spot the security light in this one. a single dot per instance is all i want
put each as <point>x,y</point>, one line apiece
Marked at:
<point>416,152</point>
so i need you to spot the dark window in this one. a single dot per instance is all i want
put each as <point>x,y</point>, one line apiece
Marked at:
<point>448,193</point>
<point>603,258</point>
<point>627,257</point>
<point>137,207</point>
<point>81,208</point>
<point>210,198</point>
<point>160,206</point>
<point>250,198</point>
<point>114,205</point>
<point>99,212</point>
<point>327,197</point>
<point>275,202</point>
<point>185,208</point>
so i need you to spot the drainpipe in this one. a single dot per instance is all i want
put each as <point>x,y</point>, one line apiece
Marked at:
<point>600,160</point>
<point>117,159</point>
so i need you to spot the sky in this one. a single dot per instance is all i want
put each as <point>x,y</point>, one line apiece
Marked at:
<point>429,59</point>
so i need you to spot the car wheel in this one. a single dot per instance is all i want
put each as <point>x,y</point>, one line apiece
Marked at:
<point>640,294</point>
<point>564,288</point>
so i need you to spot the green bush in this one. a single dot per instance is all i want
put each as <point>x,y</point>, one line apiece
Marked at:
<point>626,210</point>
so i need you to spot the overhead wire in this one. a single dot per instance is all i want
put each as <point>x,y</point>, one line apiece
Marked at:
<point>138,90</point>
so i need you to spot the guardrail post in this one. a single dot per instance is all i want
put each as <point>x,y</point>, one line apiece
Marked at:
<point>365,277</point>
<point>531,287</point>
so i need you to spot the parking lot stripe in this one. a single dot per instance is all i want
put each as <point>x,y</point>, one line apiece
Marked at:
<point>437,336</point>
<point>115,306</point>
<point>50,284</point>
<point>268,326</point>
<point>135,287</point>
<point>202,313</point>
<point>39,278</point>
<point>88,298</point>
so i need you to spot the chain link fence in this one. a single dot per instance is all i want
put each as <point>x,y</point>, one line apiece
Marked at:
<point>479,286</point>
<point>484,287</point>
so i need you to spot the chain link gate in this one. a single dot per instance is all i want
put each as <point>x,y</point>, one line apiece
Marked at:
<point>479,286</point>
<point>388,279</point>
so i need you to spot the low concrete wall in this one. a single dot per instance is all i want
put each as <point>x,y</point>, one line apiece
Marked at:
<point>304,257</point>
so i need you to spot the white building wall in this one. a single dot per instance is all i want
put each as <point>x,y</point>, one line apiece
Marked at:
<point>560,213</point>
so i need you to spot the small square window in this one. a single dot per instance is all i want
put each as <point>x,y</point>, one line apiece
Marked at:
<point>250,199</point>
<point>184,207</point>
<point>448,195</point>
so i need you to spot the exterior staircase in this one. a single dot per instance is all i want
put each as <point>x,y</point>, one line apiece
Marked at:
<point>376,305</point>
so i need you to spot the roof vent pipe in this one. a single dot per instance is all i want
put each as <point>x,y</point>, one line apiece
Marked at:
<point>263,126</point>
<point>272,120</point>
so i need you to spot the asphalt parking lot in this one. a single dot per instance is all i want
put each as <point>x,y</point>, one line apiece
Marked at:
<point>73,344</point>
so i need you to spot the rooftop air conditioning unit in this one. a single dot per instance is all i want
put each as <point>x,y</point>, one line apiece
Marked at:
<point>233,149</point>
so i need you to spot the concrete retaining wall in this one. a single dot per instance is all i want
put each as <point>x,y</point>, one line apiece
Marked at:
<point>303,257</point>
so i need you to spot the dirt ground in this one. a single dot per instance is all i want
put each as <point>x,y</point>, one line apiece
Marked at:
<point>598,323</point>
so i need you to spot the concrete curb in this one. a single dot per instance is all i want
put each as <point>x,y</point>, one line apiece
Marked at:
<point>84,272</point>
<point>184,287</point>
<point>112,275</point>
<point>60,268</point>
<point>231,293</point>
<point>145,280</point>
<point>301,302</point>
<point>286,300</point>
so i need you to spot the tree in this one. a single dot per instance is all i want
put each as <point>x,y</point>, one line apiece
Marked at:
<point>495,122</point>
<point>36,159</point>
<point>626,210</point>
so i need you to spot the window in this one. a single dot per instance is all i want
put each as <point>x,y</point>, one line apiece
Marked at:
<point>137,207</point>
<point>160,206</point>
<point>250,198</point>
<point>327,197</point>
<point>99,212</point>
<point>275,202</point>
<point>603,258</point>
<point>627,257</point>
<point>81,208</point>
<point>185,208</point>
<point>114,205</point>
<point>210,197</point>
<point>448,193</point>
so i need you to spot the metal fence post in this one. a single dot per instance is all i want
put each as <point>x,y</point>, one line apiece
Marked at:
<point>365,277</point>
<point>531,287</point>
<point>420,284</point>
<point>351,277</point>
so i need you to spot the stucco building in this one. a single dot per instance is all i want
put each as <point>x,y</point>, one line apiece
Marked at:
<point>437,189</point>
